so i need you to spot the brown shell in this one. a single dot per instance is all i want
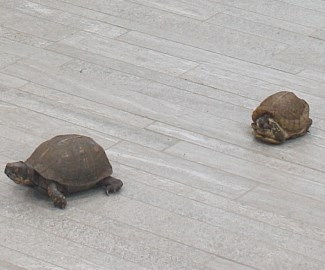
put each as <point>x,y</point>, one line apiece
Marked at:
<point>291,112</point>
<point>71,160</point>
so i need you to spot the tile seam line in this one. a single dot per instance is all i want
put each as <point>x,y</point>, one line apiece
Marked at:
<point>12,64</point>
<point>317,96</point>
<point>116,39</point>
<point>139,76</point>
<point>143,230</point>
<point>177,76</point>
<point>131,2</point>
<point>229,211</point>
<point>63,120</point>
<point>301,179</point>
<point>171,180</point>
<point>256,78</point>
<point>195,47</point>
<point>29,255</point>
<point>187,217</point>
<point>167,147</point>
<point>241,32</point>
<point>39,137</point>
<point>129,225</point>
<point>77,29</point>
<point>226,172</point>
<point>218,139</point>
<point>146,231</point>
<point>285,3</point>
<point>301,6</point>
<point>226,5</point>
<point>68,26</point>
<point>165,11</point>
<point>90,100</point>
<point>32,35</point>
<point>202,164</point>
<point>83,109</point>
<point>122,237</point>
<point>115,235</point>
<point>248,191</point>
<point>251,180</point>
<point>163,237</point>
<point>214,150</point>
<point>158,82</point>
<point>215,169</point>
<point>311,70</point>
<point>226,12</point>
<point>73,123</point>
<point>230,231</point>
<point>191,17</point>
<point>22,143</point>
<point>75,13</point>
<point>224,141</point>
<point>222,228</point>
<point>73,241</point>
<point>21,58</point>
<point>198,62</point>
<point>200,21</point>
<point>288,43</point>
<point>321,39</point>
<point>18,61</point>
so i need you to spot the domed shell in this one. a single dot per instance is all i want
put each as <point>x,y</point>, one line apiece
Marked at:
<point>291,112</point>
<point>71,160</point>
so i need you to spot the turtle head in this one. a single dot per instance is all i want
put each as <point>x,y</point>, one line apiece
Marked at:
<point>268,130</point>
<point>19,172</point>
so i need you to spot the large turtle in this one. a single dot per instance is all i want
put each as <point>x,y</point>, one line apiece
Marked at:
<point>281,116</point>
<point>63,165</point>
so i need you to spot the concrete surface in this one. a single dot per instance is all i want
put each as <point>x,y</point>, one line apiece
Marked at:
<point>168,88</point>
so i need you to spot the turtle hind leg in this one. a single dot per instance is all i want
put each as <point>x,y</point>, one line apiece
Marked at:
<point>57,197</point>
<point>111,184</point>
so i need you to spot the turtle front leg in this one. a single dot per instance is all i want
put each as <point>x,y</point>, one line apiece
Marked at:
<point>29,183</point>
<point>111,184</point>
<point>57,197</point>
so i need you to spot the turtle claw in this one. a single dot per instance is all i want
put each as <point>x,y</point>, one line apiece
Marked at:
<point>60,202</point>
<point>113,186</point>
<point>107,190</point>
<point>57,197</point>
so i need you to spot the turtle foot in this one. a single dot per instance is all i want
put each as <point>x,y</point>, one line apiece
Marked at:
<point>60,202</point>
<point>113,185</point>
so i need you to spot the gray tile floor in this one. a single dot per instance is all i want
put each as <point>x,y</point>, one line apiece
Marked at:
<point>167,87</point>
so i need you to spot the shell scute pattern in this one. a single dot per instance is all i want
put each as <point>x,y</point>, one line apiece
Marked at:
<point>71,160</point>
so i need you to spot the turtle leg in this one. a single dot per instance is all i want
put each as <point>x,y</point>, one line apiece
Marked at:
<point>111,184</point>
<point>57,197</point>
<point>29,183</point>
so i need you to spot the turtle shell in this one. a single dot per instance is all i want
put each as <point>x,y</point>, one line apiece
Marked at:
<point>289,111</point>
<point>71,160</point>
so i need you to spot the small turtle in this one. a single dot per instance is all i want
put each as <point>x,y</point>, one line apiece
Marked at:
<point>63,165</point>
<point>281,116</point>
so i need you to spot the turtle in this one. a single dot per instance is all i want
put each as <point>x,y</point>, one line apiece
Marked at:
<point>65,164</point>
<point>281,116</point>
